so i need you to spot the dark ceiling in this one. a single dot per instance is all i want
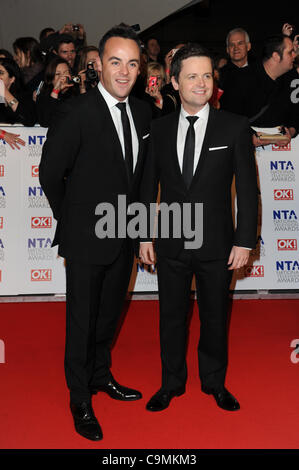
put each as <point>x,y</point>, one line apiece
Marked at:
<point>209,21</point>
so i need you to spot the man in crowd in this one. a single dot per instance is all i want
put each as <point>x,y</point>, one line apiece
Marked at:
<point>93,155</point>
<point>261,95</point>
<point>204,148</point>
<point>153,50</point>
<point>237,46</point>
<point>65,48</point>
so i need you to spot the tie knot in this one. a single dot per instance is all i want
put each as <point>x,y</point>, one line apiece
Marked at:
<point>121,106</point>
<point>192,120</point>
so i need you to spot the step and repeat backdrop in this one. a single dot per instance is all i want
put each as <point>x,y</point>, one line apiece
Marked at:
<point>28,264</point>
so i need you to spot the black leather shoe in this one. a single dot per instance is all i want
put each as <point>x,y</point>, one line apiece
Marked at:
<point>117,391</point>
<point>162,399</point>
<point>224,399</point>
<point>86,423</point>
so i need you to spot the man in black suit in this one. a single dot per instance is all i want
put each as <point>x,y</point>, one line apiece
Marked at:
<point>194,155</point>
<point>91,156</point>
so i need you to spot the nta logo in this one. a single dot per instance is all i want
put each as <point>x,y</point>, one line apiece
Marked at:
<point>284,215</point>
<point>282,165</point>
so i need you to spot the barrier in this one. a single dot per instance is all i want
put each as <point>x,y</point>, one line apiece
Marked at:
<point>28,264</point>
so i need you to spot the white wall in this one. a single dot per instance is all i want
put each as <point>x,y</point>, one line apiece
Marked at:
<point>28,17</point>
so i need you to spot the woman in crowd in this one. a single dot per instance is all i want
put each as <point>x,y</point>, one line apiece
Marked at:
<point>16,105</point>
<point>160,98</point>
<point>30,60</point>
<point>87,56</point>
<point>155,80</point>
<point>55,91</point>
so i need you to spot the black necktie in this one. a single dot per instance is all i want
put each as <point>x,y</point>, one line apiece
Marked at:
<point>127,139</point>
<point>188,159</point>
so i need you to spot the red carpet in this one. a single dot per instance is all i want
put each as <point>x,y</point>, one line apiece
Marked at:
<point>34,410</point>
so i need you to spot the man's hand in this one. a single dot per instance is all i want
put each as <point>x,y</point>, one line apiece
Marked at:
<point>66,29</point>
<point>238,257</point>
<point>146,253</point>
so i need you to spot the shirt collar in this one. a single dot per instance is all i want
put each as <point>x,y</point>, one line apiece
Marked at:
<point>110,100</point>
<point>203,113</point>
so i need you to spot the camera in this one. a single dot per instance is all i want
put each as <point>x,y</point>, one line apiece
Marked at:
<point>135,27</point>
<point>91,74</point>
<point>152,81</point>
<point>76,27</point>
<point>76,79</point>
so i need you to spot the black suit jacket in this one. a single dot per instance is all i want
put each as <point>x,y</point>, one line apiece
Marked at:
<point>211,182</point>
<point>82,165</point>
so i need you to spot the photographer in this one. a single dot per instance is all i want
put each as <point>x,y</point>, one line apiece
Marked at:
<point>159,95</point>
<point>87,67</point>
<point>154,83</point>
<point>73,32</point>
<point>16,105</point>
<point>55,91</point>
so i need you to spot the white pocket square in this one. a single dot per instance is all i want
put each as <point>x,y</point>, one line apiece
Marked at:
<point>145,136</point>
<point>218,148</point>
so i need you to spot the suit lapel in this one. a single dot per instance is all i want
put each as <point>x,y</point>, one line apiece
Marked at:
<point>109,128</point>
<point>210,129</point>
<point>138,126</point>
<point>174,153</point>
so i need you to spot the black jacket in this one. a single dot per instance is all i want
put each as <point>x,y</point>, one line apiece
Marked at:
<point>82,165</point>
<point>227,151</point>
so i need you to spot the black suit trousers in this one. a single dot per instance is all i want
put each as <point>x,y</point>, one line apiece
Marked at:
<point>212,285</point>
<point>94,300</point>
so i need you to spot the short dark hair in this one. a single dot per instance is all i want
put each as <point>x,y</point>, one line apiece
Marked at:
<point>63,39</point>
<point>274,44</point>
<point>149,39</point>
<point>189,50</point>
<point>121,30</point>
<point>6,53</point>
<point>44,32</point>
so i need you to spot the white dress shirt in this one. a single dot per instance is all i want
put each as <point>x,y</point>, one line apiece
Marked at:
<point>200,129</point>
<point>116,116</point>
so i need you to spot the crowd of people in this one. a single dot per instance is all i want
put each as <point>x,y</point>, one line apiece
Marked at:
<point>108,145</point>
<point>42,75</point>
